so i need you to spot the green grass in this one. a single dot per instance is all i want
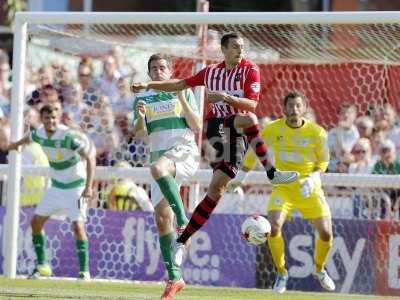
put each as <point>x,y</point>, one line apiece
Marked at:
<point>72,289</point>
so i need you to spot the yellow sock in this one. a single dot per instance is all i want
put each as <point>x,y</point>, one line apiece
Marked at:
<point>321,253</point>
<point>277,248</point>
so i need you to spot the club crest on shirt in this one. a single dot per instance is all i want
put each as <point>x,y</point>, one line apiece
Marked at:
<point>278,201</point>
<point>255,87</point>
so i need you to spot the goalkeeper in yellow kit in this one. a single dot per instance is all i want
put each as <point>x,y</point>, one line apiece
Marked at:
<point>300,145</point>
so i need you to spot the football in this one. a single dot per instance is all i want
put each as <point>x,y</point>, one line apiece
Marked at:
<point>255,229</point>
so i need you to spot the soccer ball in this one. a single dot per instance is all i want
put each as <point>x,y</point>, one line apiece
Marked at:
<point>255,229</point>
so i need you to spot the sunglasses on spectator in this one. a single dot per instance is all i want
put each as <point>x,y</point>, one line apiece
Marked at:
<point>357,151</point>
<point>84,75</point>
<point>385,150</point>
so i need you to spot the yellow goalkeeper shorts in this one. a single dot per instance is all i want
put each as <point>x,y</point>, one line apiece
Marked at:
<point>287,198</point>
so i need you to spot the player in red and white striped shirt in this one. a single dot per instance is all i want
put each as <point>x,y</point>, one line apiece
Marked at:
<point>233,89</point>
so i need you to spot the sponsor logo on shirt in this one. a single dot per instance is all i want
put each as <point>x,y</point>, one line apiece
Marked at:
<point>164,107</point>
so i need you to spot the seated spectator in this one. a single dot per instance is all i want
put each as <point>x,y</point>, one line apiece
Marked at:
<point>126,195</point>
<point>389,164</point>
<point>365,126</point>
<point>342,138</point>
<point>362,163</point>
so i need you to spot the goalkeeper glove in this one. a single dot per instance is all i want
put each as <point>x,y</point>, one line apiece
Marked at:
<point>309,183</point>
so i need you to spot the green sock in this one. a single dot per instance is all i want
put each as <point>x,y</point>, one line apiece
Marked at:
<point>174,272</point>
<point>170,190</point>
<point>39,242</point>
<point>82,250</point>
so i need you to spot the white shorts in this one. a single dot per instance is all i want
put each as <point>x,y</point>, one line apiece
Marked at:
<point>186,159</point>
<point>60,202</point>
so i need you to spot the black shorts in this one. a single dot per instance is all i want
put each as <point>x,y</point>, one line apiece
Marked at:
<point>230,145</point>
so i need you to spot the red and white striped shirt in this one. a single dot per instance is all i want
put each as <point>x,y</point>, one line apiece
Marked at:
<point>242,81</point>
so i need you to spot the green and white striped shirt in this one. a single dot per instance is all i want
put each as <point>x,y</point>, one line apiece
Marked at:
<point>62,150</point>
<point>165,121</point>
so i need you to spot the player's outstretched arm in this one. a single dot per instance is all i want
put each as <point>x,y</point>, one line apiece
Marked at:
<point>17,144</point>
<point>192,118</point>
<point>171,85</point>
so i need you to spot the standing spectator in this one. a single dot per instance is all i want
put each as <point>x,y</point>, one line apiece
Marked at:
<point>73,106</point>
<point>108,81</point>
<point>5,84</point>
<point>98,122</point>
<point>85,75</point>
<point>342,138</point>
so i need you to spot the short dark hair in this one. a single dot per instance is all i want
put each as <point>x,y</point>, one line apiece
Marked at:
<point>159,56</point>
<point>48,109</point>
<point>230,35</point>
<point>293,95</point>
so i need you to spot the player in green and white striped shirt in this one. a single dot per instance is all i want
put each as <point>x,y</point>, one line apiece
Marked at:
<point>71,184</point>
<point>169,119</point>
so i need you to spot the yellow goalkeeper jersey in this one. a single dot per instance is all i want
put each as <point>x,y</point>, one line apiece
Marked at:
<point>303,149</point>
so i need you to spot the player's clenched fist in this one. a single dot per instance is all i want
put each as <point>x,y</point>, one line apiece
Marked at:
<point>137,86</point>
<point>141,109</point>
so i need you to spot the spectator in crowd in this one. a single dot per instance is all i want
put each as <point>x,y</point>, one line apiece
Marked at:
<point>376,140</point>
<point>98,122</point>
<point>123,106</point>
<point>365,126</point>
<point>65,79</point>
<point>45,79</point>
<point>125,67</point>
<point>342,138</point>
<point>124,101</point>
<point>48,94</point>
<point>108,81</point>
<point>389,164</point>
<point>73,107</point>
<point>5,84</point>
<point>85,75</point>
<point>310,115</point>
<point>362,163</point>
<point>4,141</point>
<point>126,195</point>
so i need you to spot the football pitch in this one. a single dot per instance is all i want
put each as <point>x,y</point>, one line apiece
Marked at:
<point>72,289</point>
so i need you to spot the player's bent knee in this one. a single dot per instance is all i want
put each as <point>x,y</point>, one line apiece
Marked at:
<point>276,228</point>
<point>325,235</point>
<point>156,170</point>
